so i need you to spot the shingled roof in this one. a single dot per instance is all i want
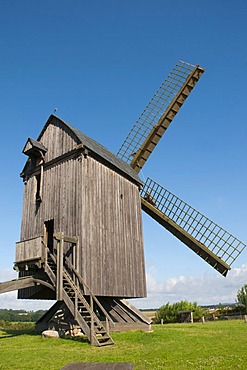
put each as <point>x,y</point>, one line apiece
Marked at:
<point>32,146</point>
<point>99,150</point>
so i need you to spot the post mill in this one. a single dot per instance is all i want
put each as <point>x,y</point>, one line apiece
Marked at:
<point>81,240</point>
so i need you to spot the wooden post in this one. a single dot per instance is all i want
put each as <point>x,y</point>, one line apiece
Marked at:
<point>76,306</point>
<point>72,246</point>
<point>44,242</point>
<point>107,325</point>
<point>245,319</point>
<point>191,318</point>
<point>60,268</point>
<point>92,323</point>
<point>77,265</point>
<point>41,178</point>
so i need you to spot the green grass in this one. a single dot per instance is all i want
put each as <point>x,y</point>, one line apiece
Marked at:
<point>214,345</point>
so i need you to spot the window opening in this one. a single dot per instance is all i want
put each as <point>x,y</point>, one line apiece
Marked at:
<point>38,188</point>
<point>39,185</point>
<point>49,231</point>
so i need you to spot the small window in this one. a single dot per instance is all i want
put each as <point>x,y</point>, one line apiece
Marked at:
<point>38,188</point>
<point>48,236</point>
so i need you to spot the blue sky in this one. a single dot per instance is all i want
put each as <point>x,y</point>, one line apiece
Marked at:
<point>99,63</point>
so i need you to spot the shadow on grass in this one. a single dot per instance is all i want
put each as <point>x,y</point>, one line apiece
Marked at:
<point>10,330</point>
<point>77,338</point>
<point>9,333</point>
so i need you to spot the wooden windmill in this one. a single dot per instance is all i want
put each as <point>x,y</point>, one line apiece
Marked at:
<point>81,238</point>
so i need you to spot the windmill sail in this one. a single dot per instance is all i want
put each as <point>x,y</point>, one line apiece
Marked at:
<point>158,114</point>
<point>212,243</point>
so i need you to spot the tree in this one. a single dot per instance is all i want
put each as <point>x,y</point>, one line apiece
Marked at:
<point>242,297</point>
<point>20,315</point>
<point>169,313</point>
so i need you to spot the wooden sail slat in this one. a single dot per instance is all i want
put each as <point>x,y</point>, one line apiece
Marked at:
<point>210,241</point>
<point>159,129</point>
<point>186,238</point>
<point>158,114</point>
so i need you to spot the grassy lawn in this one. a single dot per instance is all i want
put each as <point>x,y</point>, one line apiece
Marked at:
<point>214,345</point>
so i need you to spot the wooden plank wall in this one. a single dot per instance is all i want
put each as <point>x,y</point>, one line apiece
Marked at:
<point>29,249</point>
<point>87,199</point>
<point>58,139</point>
<point>113,234</point>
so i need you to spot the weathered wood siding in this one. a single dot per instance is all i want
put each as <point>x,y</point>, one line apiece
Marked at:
<point>87,199</point>
<point>29,249</point>
<point>58,140</point>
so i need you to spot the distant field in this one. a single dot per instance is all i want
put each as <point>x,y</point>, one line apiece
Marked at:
<point>150,314</point>
<point>214,345</point>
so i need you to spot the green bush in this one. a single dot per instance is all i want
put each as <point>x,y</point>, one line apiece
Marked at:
<point>17,326</point>
<point>20,315</point>
<point>242,299</point>
<point>170,312</point>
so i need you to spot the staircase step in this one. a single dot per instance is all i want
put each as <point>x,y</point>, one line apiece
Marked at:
<point>106,343</point>
<point>102,333</point>
<point>82,308</point>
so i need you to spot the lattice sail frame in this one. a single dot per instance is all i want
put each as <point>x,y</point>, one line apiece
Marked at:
<point>155,109</point>
<point>224,245</point>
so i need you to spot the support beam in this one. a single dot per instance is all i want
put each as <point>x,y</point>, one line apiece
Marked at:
<point>60,245</point>
<point>25,282</point>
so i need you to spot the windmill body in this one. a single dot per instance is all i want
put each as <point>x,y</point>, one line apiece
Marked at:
<point>81,235</point>
<point>80,188</point>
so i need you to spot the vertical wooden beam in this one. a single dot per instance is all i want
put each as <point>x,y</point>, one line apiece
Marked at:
<point>73,246</point>
<point>44,242</point>
<point>92,322</point>
<point>107,325</point>
<point>41,178</point>
<point>77,265</point>
<point>60,245</point>
<point>76,307</point>
<point>58,271</point>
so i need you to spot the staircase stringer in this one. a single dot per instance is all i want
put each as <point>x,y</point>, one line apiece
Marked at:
<point>49,258</point>
<point>81,322</point>
<point>95,325</point>
<point>50,274</point>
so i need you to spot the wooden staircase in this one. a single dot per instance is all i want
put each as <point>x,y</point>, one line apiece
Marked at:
<point>70,288</point>
<point>84,314</point>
